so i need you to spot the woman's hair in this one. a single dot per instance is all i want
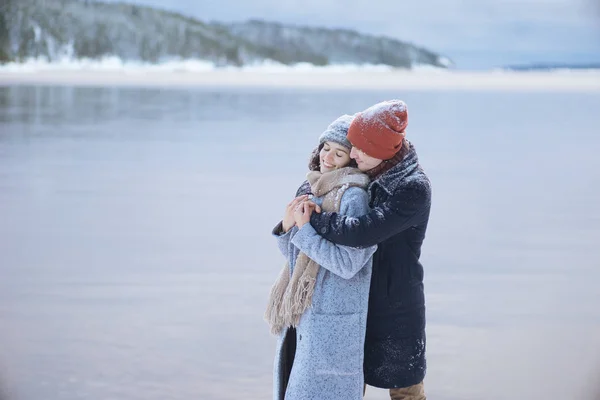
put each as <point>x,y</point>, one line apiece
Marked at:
<point>314,163</point>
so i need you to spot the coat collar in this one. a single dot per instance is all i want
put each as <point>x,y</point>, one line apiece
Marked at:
<point>392,179</point>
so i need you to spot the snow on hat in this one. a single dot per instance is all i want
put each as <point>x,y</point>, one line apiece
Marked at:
<point>337,131</point>
<point>379,130</point>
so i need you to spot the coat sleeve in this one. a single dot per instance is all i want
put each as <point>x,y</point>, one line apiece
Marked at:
<point>341,260</point>
<point>284,239</point>
<point>407,207</point>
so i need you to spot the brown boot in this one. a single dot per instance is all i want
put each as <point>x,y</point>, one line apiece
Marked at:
<point>414,392</point>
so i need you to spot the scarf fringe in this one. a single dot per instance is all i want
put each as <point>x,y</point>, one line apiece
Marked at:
<point>302,298</point>
<point>273,314</point>
<point>289,300</point>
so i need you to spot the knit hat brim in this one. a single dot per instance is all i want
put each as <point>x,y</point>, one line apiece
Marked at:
<point>337,131</point>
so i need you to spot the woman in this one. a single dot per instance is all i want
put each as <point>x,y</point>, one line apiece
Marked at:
<point>318,305</point>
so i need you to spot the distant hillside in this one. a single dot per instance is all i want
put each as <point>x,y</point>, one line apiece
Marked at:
<point>550,66</point>
<point>335,46</point>
<point>55,29</point>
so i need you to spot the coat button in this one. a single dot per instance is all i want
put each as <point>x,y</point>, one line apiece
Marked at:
<point>299,337</point>
<point>324,230</point>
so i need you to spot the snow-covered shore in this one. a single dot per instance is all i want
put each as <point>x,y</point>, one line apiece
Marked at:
<point>349,78</point>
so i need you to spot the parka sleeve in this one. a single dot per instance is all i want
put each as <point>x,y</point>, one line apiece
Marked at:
<point>407,207</point>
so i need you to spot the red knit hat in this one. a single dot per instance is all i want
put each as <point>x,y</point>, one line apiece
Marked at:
<point>379,130</point>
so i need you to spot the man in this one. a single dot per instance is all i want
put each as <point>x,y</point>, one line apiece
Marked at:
<point>400,200</point>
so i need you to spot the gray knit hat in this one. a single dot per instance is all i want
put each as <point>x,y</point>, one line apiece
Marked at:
<point>337,131</point>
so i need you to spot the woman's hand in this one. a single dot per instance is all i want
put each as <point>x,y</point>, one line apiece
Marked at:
<point>303,212</point>
<point>288,218</point>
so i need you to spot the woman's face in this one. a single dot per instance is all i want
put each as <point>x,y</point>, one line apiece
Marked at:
<point>333,156</point>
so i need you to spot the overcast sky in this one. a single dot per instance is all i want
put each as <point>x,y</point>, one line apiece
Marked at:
<point>474,33</point>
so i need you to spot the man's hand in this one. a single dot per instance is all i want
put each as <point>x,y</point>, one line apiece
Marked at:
<point>288,218</point>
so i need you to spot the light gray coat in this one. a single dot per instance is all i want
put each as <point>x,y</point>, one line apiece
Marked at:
<point>328,363</point>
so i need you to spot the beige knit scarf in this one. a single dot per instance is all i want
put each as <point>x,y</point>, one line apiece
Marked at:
<point>291,296</point>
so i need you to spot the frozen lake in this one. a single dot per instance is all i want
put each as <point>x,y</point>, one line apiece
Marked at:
<point>136,257</point>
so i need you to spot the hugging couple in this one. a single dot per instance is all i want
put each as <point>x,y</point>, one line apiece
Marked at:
<point>349,307</point>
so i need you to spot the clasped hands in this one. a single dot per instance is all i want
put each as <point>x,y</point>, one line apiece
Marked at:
<point>298,212</point>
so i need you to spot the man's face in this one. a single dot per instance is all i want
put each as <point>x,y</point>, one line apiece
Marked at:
<point>364,161</point>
